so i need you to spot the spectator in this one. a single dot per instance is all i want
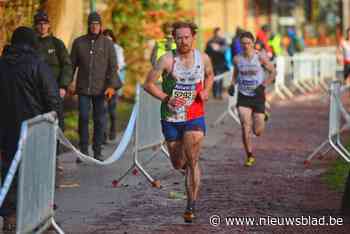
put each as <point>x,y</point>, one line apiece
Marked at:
<point>163,45</point>
<point>276,44</point>
<point>112,103</point>
<point>56,56</point>
<point>27,89</point>
<point>215,49</point>
<point>236,47</point>
<point>343,56</point>
<point>262,37</point>
<point>94,56</point>
<point>296,44</point>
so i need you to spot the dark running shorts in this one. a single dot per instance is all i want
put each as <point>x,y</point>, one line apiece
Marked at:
<point>346,71</point>
<point>174,131</point>
<point>257,104</point>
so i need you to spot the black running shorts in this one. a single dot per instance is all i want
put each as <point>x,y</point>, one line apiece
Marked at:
<point>256,103</point>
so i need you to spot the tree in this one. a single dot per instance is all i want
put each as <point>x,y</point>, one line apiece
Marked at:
<point>135,24</point>
<point>15,13</point>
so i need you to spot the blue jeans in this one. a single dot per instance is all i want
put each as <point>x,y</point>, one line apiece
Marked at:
<point>217,89</point>
<point>98,108</point>
<point>112,116</point>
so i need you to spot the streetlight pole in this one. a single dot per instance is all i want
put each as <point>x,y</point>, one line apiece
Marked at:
<point>199,23</point>
<point>92,5</point>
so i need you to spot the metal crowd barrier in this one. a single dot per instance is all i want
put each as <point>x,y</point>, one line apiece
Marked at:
<point>304,72</point>
<point>117,154</point>
<point>37,176</point>
<point>144,127</point>
<point>36,181</point>
<point>230,111</point>
<point>335,128</point>
<point>148,135</point>
<point>328,69</point>
<point>283,68</point>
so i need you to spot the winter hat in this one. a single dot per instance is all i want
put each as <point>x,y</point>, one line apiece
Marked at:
<point>94,17</point>
<point>24,36</point>
<point>41,16</point>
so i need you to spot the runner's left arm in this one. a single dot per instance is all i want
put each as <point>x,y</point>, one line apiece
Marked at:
<point>270,69</point>
<point>208,77</point>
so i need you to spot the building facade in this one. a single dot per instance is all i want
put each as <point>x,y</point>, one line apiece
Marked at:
<point>319,21</point>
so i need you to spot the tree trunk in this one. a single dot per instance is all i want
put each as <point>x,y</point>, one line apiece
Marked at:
<point>66,18</point>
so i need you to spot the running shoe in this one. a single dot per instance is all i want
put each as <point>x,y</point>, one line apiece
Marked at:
<point>189,214</point>
<point>250,161</point>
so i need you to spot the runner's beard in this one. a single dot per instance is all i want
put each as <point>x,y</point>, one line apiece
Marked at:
<point>183,49</point>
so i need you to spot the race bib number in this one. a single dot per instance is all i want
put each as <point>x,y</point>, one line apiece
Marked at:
<point>187,92</point>
<point>248,85</point>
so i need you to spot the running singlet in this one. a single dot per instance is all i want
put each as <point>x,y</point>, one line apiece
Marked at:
<point>250,74</point>
<point>185,83</point>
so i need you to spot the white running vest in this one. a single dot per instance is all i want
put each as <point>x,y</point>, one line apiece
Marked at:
<point>189,82</point>
<point>251,74</point>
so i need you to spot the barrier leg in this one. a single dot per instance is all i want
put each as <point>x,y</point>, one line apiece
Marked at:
<point>220,119</point>
<point>153,156</point>
<point>56,227</point>
<point>306,85</point>
<point>299,87</point>
<point>125,174</point>
<point>279,93</point>
<point>287,91</point>
<point>339,149</point>
<point>316,151</point>
<point>234,115</point>
<point>155,183</point>
<point>323,85</point>
<point>164,150</point>
<point>341,146</point>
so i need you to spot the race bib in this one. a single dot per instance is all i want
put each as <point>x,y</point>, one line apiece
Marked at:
<point>187,92</point>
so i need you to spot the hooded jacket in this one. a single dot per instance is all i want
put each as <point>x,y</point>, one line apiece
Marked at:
<point>27,89</point>
<point>94,56</point>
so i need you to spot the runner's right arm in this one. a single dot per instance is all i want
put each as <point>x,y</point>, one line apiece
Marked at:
<point>164,64</point>
<point>150,84</point>
<point>235,71</point>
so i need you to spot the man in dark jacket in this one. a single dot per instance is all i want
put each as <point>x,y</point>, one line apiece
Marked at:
<point>55,55</point>
<point>27,89</point>
<point>215,49</point>
<point>94,55</point>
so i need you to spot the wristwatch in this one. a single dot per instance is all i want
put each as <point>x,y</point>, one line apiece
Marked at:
<point>166,99</point>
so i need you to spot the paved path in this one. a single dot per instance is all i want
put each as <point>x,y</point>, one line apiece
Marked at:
<point>277,186</point>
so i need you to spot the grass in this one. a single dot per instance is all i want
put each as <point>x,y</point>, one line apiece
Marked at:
<point>123,110</point>
<point>337,174</point>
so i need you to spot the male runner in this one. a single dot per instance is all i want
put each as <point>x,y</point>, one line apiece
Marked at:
<point>187,80</point>
<point>249,72</point>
